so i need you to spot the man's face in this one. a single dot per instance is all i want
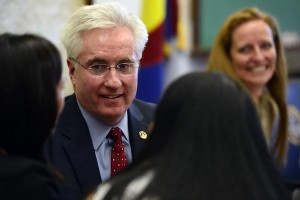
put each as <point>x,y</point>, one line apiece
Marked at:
<point>105,97</point>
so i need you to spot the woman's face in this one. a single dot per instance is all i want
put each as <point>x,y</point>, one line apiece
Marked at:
<point>253,54</point>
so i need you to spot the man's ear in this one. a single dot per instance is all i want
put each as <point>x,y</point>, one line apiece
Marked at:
<point>71,71</point>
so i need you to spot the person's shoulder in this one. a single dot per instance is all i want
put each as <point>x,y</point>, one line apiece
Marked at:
<point>70,108</point>
<point>294,125</point>
<point>70,97</point>
<point>20,162</point>
<point>27,178</point>
<point>135,181</point>
<point>142,108</point>
<point>24,168</point>
<point>141,103</point>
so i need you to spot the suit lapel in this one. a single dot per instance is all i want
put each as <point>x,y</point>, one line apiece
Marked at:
<point>136,124</point>
<point>80,149</point>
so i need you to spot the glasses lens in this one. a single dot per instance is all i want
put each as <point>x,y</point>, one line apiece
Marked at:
<point>103,69</point>
<point>126,68</point>
<point>99,69</point>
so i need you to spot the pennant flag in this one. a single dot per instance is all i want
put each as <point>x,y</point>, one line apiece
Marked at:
<point>151,74</point>
<point>171,26</point>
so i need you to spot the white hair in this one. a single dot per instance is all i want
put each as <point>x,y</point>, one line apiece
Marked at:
<point>102,15</point>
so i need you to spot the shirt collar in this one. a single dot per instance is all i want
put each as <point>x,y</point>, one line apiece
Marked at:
<point>98,130</point>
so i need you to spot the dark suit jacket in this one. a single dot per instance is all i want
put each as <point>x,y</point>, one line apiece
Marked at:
<point>71,149</point>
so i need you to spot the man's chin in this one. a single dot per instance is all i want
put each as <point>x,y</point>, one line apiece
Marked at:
<point>113,117</point>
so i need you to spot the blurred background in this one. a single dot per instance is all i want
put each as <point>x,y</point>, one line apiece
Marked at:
<point>181,33</point>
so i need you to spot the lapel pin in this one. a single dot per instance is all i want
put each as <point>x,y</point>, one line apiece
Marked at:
<point>143,135</point>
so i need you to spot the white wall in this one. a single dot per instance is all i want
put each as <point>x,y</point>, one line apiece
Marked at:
<point>42,17</point>
<point>133,5</point>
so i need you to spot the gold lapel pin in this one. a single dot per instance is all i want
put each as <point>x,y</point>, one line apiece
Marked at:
<point>143,135</point>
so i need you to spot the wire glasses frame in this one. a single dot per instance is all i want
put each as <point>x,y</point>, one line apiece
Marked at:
<point>101,69</point>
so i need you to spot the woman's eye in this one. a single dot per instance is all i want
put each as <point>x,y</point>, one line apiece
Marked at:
<point>244,50</point>
<point>266,46</point>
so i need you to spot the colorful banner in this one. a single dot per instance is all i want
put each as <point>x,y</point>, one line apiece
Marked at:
<point>151,74</point>
<point>160,18</point>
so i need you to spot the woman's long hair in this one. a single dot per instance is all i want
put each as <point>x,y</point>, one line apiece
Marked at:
<point>206,143</point>
<point>31,69</point>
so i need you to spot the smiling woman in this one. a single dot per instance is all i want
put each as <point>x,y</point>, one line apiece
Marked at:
<point>253,55</point>
<point>249,49</point>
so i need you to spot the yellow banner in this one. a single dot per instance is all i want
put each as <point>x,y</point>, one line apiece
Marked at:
<point>153,13</point>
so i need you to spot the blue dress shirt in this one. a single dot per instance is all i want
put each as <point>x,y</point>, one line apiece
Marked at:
<point>102,143</point>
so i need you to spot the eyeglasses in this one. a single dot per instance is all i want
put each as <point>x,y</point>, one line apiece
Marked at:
<point>103,69</point>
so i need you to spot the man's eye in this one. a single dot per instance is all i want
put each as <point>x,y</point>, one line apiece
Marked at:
<point>98,67</point>
<point>124,66</point>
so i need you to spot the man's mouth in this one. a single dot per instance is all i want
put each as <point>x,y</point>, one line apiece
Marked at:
<point>113,96</point>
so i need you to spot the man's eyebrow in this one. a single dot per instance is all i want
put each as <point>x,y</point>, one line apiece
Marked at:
<point>96,59</point>
<point>102,60</point>
<point>126,60</point>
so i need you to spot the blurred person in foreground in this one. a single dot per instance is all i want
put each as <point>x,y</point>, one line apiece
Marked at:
<point>32,99</point>
<point>208,145</point>
<point>249,49</point>
<point>104,44</point>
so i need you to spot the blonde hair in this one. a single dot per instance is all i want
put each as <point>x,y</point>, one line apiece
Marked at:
<point>220,60</point>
